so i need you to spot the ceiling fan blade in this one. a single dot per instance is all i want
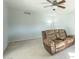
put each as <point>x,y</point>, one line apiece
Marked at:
<point>63,1</point>
<point>49,1</point>
<point>61,6</point>
<point>48,6</point>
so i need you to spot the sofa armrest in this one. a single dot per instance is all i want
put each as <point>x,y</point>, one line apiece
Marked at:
<point>43,35</point>
<point>49,42</point>
<point>72,36</point>
<point>50,46</point>
<point>70,40</point>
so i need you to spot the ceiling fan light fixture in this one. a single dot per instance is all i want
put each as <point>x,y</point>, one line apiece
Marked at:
<point>54,9</point>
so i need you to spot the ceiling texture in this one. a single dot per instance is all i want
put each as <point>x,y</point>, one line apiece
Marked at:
<point>38,6</point>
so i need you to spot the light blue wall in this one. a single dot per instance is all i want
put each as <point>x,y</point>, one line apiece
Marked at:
<point>23,27</point>
<point>5,26</point>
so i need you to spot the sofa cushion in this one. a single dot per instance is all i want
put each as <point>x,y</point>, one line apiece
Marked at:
<point>60,34</point>
<point>60,45</point>
<point>50,34</point>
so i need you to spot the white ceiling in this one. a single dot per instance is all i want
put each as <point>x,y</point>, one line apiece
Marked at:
<point>36,5</point>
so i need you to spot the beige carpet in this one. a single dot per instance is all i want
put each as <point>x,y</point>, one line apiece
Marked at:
<point>33,49</point>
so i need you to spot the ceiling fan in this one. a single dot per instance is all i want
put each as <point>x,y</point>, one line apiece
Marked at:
<point>55,3</point>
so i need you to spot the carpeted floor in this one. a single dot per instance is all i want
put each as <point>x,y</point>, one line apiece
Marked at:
<point>33,49</point>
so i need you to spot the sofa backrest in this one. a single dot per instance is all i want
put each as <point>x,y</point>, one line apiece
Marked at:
<point>56,34</point>
<point>60,34</point>
<point>50,34</point>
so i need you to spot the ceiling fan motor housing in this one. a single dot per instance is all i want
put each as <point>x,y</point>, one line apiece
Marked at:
<point>55,3</point>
